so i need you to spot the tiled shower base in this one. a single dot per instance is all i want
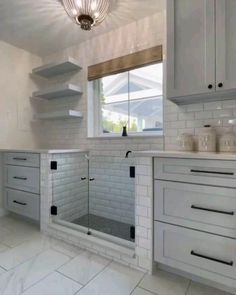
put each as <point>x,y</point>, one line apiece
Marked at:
<point>105,225</point>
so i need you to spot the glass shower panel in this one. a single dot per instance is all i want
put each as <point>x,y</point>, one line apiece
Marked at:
<point>70,188</point>
<point>111,196</point>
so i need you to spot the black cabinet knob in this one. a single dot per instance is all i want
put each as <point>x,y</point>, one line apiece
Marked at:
<point>210,86</point>
<point>220,85</point>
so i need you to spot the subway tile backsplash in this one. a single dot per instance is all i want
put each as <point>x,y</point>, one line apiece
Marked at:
<point>191,118</point>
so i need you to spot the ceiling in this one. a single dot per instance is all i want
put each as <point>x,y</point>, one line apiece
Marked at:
<point>43,27</point>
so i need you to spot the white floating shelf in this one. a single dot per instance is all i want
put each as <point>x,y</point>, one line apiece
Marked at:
<point>67,114</point>
<point>54,69</point>
<point>58,91</point>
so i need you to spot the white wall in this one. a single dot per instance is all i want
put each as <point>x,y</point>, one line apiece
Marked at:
<point>15,105</point>
<point>16,109</point>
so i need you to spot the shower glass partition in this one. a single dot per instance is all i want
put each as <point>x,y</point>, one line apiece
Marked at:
<point>95,194</point>
<point>70,183</point>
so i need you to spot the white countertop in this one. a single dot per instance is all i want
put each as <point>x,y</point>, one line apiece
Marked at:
<point>188,155</point>
<point>43,151</point>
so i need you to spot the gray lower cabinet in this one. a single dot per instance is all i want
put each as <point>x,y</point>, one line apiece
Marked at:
<point>22,159</point>
<point>22,178</point>
<point>22,184</point>
<point>186,248</point>
<point>195,217</point>
<point>23,203</point>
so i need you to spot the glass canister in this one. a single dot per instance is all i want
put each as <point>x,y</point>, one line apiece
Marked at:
<point>207,139</point>
<point>227,143</point>
<point>185,142</point>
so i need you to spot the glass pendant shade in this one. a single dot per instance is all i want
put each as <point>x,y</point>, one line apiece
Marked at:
<point>87,13</point>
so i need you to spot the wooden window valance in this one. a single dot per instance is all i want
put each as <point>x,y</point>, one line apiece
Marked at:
<point>125,63</point>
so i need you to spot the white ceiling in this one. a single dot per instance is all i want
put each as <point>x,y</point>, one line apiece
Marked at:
<point>43,27</point>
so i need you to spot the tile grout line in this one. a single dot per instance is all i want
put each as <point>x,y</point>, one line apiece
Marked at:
<point>43,277</point>
<point>137,285</point>
<point>62,274</point>
<point>95,276</point>
<point>32,258</point>
<point>57,269</point>
<point>189,284</point>
<point>84,285</point>
<point>46,275</point>
<point>149,290</point>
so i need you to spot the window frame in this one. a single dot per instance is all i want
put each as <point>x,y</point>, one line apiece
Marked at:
<point>95,128</point>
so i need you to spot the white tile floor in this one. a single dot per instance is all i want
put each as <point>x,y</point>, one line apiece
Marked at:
<point>32,264</point>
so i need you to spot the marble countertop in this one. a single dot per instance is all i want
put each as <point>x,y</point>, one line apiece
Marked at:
<point>186,155</point>
<point>43,151</point>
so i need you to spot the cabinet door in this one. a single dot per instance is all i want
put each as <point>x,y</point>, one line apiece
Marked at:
<point>225,44</point>
<point>190,47</point>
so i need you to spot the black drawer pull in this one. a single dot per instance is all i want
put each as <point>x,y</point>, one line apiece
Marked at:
<point>20,178</point>
<point>83,178</point>
<point>231,263</point>
<point>20,203</point>
<point>212,210</point>
<point>211,172</point>
<point>91,179</point>
<point>20,159</point>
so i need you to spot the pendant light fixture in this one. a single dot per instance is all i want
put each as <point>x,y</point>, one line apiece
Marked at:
<point>87,13</point>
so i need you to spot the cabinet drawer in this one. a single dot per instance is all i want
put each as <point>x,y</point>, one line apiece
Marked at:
<point>180,246</point>
<point>206,208</point>
<point>22,203</point>
<point>211,172</point>
<point>22,178</point>
<point>22,159</point>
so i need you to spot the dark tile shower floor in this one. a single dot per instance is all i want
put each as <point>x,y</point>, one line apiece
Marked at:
<point>105,225</point>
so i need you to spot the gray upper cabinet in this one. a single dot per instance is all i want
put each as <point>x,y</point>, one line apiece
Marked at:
<point>225,45</point>
<point>199,34</point>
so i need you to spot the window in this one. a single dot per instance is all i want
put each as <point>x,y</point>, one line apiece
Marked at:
<point>131,98</point>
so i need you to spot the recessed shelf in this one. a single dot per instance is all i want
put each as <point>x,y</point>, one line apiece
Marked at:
<point>66,114</point>
<point>57,68</point>
<point>58,91</point>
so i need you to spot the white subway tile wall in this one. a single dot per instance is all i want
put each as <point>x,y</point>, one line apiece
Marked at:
<point>111,194</point>
<point>143,213</point>
<point>191,119</point>
<point>69,190</point>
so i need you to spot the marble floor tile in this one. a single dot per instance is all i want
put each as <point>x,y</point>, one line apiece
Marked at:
<point>2,271</point>
<point>54,284</point>
<point>4,248</point>
<point>8,221</point>
<point>199,289</point>
<point>23,252</point>
<point>139,291</point>
<point>84,267</point>
<point>13,238</point>
<point>65,248</point>
<point>27,274</point>
<point>14,231</point>
<point>34,264</point>
<point>164,283</point>
<point>116,279</point>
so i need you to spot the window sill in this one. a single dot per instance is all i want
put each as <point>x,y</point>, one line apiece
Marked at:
<point>118,136</point>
